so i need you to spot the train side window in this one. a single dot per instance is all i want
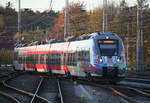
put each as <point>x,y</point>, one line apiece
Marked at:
<point>27,60</point>
<point>48,59</point>
<point>19,59</point>
<point>79,55</point>
<point>42,59</point>
<point>85,54</point>
<point>73,59</point>
<point>70,59</point>
<point>88,55</point>
<point>67,59</point>
<point>23,59</point>
<point>36,59</point>
<point>64,59</point>
<point>58,59</point>
<point>30,59</point>
<point>54,58</point>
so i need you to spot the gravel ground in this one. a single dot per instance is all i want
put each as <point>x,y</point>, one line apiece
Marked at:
<point>76,93</point>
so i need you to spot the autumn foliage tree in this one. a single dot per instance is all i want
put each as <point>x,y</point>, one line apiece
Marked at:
<point>78,21</point>
<point>95,20</point>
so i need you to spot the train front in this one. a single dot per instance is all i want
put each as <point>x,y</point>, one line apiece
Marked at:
<point>109,56</point>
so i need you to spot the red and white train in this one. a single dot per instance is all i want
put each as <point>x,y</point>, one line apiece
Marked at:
<point>102,54</point>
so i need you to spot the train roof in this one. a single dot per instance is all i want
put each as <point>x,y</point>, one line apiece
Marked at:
<point>96,35</point>
<point>104,35</point>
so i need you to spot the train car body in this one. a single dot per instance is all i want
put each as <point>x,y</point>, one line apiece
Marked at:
<point>102,55</point>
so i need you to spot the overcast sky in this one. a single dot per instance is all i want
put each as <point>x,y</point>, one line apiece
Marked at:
<point>42,5</point>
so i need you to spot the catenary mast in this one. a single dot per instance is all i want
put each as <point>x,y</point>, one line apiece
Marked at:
<point>105,16</point>
<point>19,20</point>
<point>66,20</point>
<point>140,44</point>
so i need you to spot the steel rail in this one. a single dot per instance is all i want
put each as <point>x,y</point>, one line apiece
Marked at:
<point>138,80</point>
<point>111,87</point>
<point>106,84</point>
<point>39,85</point>
<point>140,92</point>
<point>38,91</point>
<point>60,92</point>
<point>145,90</point>
<point>10,97</point>
<point>23,92</point>
<point>129,99</point>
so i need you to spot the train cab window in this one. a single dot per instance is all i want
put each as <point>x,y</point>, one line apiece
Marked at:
<point>108,47</point>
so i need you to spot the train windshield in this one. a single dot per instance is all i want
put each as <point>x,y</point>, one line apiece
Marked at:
<point>108,47</point>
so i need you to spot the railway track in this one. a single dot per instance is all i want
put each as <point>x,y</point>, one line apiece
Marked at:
<point>20,96</point>
<point>12,94</point>
<point>138,80</point>
<point>8,98</point>
<point>34,99</point>
<point>39,91</point>
<point>7,73</point>
<point>60,92</point>
<point>131,95</point>
<point>128,93</point>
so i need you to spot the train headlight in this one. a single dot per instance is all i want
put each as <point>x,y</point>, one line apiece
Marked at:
<point>118,60</point>
<point>107,37</point>
<point>100,60</point>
